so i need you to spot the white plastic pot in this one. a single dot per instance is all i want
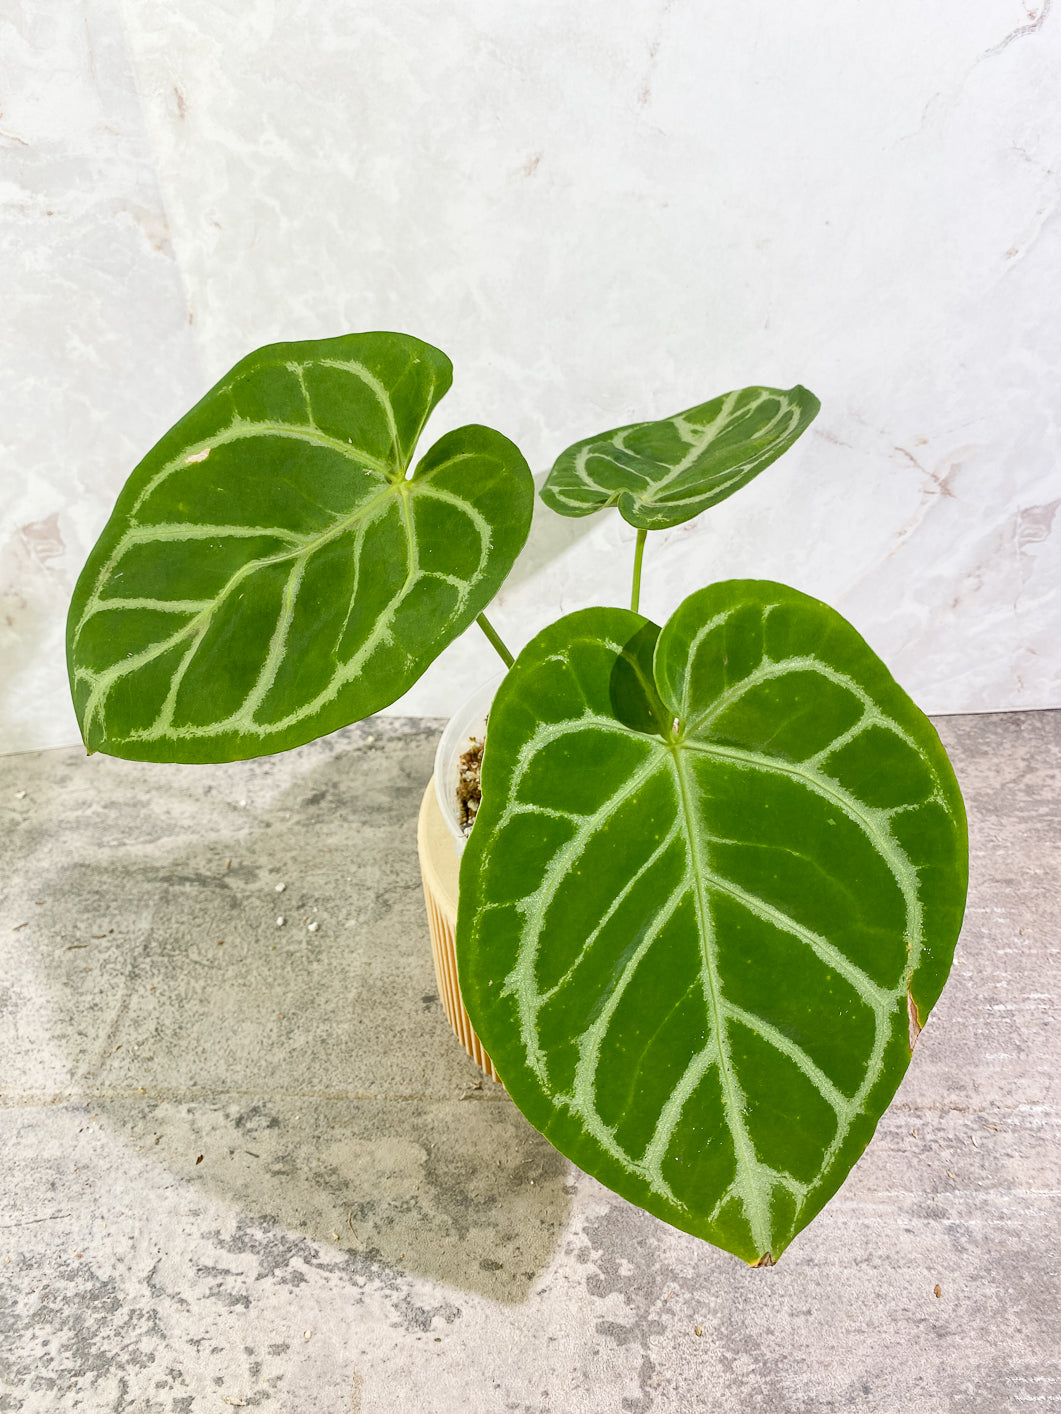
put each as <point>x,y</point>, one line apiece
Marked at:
<point>468,723</point>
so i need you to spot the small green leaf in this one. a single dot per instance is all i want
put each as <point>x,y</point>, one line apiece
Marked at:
<point>715,870</point>
<point>662,473</point>
<point>271,572</point>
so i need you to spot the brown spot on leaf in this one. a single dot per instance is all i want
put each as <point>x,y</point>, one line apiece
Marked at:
<point>915,1025</point>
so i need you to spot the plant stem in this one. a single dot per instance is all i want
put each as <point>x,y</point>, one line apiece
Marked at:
<point>639,550</point>
<point>495,638</point>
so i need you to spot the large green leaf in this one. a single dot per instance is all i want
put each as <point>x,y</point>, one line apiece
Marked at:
<point>272,572</point>
<point>712,891</point>
<point>662,473</point>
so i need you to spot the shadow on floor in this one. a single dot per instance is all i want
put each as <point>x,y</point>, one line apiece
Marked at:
<point>301,1072</point>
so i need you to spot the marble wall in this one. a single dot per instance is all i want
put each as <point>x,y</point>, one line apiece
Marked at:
<point>602,212</point>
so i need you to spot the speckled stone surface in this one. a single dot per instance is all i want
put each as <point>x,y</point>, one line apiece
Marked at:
<point>246,1164</point>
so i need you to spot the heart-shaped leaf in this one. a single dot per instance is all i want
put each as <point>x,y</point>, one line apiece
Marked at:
<point>712,891</point>
<point>271,572</point>
<point>662,473</point>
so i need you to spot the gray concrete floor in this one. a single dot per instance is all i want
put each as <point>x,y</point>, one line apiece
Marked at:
<point>246,1165</point>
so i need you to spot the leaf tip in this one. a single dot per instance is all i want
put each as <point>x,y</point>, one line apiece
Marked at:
<point>766,1260</point>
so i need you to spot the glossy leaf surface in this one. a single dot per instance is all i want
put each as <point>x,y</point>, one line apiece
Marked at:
<point>271,572</point>
<point>665,472</point>
<point>714,868</point>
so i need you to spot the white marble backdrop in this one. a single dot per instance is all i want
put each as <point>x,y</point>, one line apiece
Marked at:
<point>602,212</point>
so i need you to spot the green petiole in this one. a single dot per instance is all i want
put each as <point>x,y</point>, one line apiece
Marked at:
<point>495,638</point>
<point>639,550</point>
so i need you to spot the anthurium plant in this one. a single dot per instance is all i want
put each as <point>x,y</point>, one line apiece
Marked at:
<point>719,869</point>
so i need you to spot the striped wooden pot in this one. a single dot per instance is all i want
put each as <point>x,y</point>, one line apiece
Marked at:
<point>439,868</point>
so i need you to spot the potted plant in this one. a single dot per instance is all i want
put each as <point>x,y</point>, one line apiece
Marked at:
<point>719,868</point>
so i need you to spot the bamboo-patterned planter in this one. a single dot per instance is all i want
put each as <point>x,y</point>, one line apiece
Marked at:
<point>439,868</point>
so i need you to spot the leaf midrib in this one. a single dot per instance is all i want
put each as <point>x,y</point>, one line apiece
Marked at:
<point>103,681</point>
<point>733,1097</point>
<point>654,495</point>
<point>140,533</point>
